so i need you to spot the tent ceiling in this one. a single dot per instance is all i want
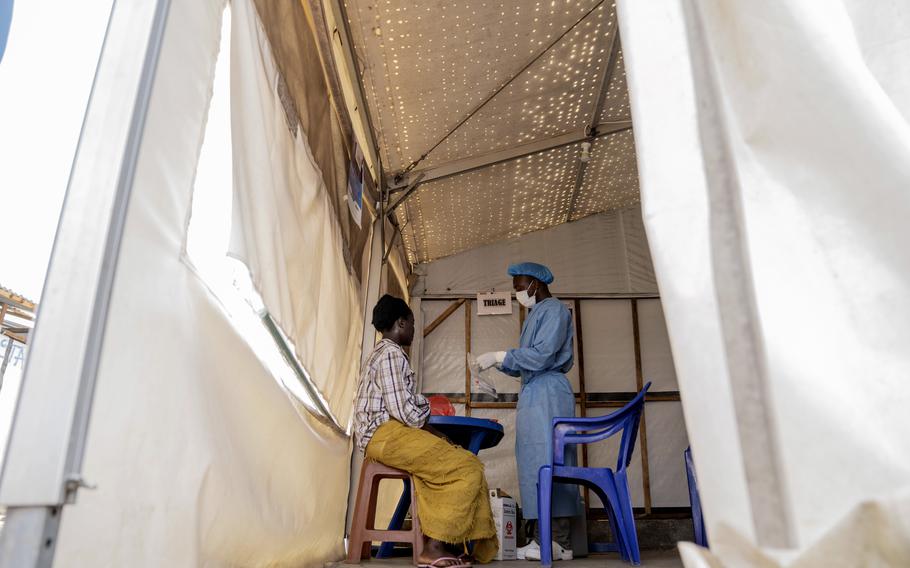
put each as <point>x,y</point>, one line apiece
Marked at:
<point>428,65</point>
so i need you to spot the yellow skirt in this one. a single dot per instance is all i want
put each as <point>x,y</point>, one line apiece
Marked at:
<point>453,502</point>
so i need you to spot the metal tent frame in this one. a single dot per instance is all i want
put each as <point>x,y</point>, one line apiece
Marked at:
<point>423,174</point>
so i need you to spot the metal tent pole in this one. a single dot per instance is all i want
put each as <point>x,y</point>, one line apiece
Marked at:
<point>58,386</point>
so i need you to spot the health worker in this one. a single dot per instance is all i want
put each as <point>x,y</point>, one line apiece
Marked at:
<point>543,358</point>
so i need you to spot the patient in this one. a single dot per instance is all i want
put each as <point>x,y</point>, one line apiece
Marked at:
<point>390,421</point>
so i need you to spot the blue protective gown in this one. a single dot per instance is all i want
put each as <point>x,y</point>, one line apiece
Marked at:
<point>544,357</point>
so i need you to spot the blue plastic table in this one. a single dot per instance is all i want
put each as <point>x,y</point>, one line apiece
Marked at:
<point>472,434</point>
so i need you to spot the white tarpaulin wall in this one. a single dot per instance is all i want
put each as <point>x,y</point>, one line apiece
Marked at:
<point>592,257</point>
<point>787,246</point>
<point>602,254</point>
<point>199,456</point>
<point>284,227</point>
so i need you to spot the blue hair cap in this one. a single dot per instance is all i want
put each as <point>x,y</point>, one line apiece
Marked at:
<point>533,270</point>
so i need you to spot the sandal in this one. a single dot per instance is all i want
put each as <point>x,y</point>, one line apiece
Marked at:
<point>455,563</point>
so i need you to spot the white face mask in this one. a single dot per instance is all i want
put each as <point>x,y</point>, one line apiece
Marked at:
<point>525,299</point>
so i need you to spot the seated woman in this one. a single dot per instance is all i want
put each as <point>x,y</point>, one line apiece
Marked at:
<point>390,422</point>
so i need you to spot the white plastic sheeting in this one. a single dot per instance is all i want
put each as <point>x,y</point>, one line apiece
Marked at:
<point>603,254</point>
<point>656,354</point>
<point>609,345</point>
<point>284,227</point>
<point>667,440</point>
<point>199,456</point>
<point>496,333</point>
<point>811,102</point>
<point>499,462</point>
<point>443,367</point>
<point>573,375</point>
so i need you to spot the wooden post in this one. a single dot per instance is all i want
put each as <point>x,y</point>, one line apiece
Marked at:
<point>579,341</point>
<point>467,349</point>
<point>416,351</point>
<point>642,427</point>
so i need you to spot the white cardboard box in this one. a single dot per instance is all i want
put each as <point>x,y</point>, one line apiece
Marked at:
<point>505,517</point>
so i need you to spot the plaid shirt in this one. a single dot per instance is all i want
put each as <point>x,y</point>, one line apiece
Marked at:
<point>387,392</point>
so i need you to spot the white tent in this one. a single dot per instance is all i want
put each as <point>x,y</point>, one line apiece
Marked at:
<point>770,153</point>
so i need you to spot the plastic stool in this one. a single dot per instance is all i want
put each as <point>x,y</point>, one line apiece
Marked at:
<point>363,528</point>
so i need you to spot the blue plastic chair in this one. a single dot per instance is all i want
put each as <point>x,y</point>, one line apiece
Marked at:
<point>6,20</point>
<point>611,486</point>
<point>701,536</point>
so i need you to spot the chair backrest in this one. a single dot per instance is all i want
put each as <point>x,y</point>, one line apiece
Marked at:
<point>567,431</point>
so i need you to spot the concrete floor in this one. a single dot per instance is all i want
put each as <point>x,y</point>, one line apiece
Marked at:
<point>649,558</point>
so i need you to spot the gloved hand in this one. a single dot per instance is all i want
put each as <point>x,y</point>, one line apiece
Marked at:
<point>491,359</point>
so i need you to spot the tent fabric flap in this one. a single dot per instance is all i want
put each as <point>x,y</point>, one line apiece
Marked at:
<point>284,226</point>
<point>774,156</point>
<point>302,55</point>
<point>198,454</point>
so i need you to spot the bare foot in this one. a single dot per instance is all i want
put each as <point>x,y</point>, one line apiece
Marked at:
<point>433,550</point>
